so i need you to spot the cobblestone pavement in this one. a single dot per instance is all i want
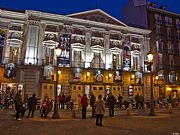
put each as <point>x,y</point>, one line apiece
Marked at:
<point>138,123</point>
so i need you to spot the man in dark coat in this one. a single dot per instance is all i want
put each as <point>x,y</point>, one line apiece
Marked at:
<point>92,103</point>
<point>111,103</point>
<point>32,102</point>
<point>137,101</point>
<point>18,105</point>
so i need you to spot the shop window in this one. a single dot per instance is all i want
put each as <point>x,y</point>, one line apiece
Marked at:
<point>100,88</point>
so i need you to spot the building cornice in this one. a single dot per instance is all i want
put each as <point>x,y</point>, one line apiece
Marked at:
<point>163,11</point>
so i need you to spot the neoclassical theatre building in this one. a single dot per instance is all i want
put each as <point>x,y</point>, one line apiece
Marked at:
<point>100,54</point>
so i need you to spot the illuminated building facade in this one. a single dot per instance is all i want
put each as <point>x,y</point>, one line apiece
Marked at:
<point>164,43</point>
<point>100,55</point>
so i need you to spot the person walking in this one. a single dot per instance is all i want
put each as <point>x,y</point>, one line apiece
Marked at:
<point>32,102</point>
<point>84,104</point>
<point>92,102</point>
<point>111,103</point>
<point>99,110</point>
<point>18,105</point>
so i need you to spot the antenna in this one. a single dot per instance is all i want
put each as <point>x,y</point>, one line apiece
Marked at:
<point>96,4</point>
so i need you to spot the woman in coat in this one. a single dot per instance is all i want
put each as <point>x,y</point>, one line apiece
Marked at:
<point>100,110</point>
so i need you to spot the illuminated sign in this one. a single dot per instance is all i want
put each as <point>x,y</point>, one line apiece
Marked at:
<point>65,55</point>
<point>10,70</point>
<point>126,58</point>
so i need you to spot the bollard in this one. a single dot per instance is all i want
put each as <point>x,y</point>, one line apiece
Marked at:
<point>145,106</point>
<point>129,109</point>
<point>157,106</point>
<point>170,108</point>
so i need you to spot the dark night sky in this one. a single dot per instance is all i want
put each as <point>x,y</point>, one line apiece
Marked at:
<point>63,7</point>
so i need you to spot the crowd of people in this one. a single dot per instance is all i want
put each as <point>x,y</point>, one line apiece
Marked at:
<point>66,102</point>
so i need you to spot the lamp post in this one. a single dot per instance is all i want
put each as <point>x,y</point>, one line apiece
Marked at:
<point>150,60</point>
<point>58,51</point>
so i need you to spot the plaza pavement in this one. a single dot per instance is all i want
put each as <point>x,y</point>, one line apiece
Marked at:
<point>138,123</point>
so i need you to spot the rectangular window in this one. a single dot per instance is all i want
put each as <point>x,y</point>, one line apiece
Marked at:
<point>178,23</point>
<point>49,56</point>
<point>168,21</point>
<point>158,19</point>
<point>97,60</point>
<point>169,33</point>
<point>14,54</point>
<point>100,88</point>
<point>45,86</point>
<point>94,88</point>
<point>77,59</point>
<point>115,61</point>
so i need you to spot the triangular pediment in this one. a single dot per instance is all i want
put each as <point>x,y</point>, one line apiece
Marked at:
<point>97,15</point>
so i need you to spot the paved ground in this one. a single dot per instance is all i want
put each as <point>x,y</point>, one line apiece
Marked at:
<point>138,123</point>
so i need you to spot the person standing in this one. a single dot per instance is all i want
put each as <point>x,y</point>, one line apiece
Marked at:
<point>111,103</point>
<point>63,101</point>
<point>99,110</point>
<point>92,102</point>
<point>18,105</point>
<point>120,98</point>
<point>79,102</point>
<point>32,102</point>
<point>84,104</point>
<point>137,101</point>
<point>141,102</point>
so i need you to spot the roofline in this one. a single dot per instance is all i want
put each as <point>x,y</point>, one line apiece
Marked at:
<point>163,11</point>
<point>89,11</point>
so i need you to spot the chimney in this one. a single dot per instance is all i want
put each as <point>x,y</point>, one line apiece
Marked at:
<point>164,7</point>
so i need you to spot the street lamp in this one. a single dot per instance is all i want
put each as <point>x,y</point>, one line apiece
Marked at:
<point>58,51</point>
<point>150,60</point>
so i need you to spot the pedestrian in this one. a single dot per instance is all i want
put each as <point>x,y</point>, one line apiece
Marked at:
<point>62,101</point>
<point>141,102</point>
<point>99,110</point>
<point>44,107</point>
<point>111,103</point>
<point>92,102</point>
<point>84,104</point>
<point>18,105</point>
<point>59,100</point>
<point>32,102</point>
<point>137,101</point>
<point>120,99</point>
<point>79,102</point>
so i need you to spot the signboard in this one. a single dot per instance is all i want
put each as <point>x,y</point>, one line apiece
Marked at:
<point>130,91</point>
<point>10,70</point>
<point>64,59</point>
<point>77,74</point>
<point>126,58</point>
<point>98,75</point>
<point>48,72</point>
<point>117,75</point>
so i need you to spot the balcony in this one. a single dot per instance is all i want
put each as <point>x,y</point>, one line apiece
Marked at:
<point>170,51</point>
<point>80,64</point>
<point>97,65</point>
